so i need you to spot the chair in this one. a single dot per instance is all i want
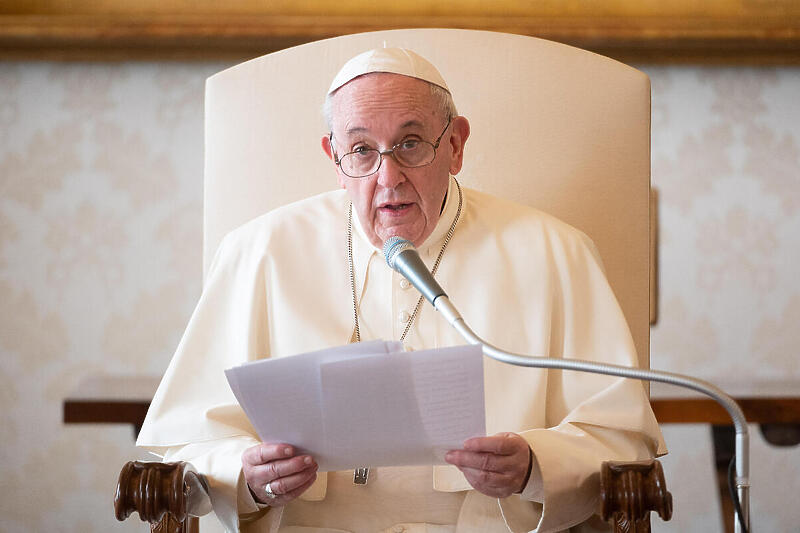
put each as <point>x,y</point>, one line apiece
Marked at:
<point>562,129</point>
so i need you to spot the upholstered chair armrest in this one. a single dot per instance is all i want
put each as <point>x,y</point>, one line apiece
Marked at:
<point>629,491</point>
<point>169,496</point>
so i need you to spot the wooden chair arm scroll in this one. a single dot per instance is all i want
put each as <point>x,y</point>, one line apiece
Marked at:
<point>162,493</point>
<point>629,491</point>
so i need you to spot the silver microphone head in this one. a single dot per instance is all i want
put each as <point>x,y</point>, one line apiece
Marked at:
<point>392,247</point>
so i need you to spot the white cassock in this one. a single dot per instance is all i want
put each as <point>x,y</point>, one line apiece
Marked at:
<point>523,280</point>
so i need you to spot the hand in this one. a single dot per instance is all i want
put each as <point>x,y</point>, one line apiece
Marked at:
<point>288,475</point>
<point>496,466</point>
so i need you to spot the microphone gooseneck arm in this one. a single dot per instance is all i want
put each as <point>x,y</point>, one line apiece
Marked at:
<point>403,257</point>
<point>395,248</point>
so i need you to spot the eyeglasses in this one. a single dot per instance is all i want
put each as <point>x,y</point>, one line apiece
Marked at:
<point>409,153</point>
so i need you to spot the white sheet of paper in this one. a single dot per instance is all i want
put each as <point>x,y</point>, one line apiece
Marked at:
<point>366,404</point>
<point>282,396</point>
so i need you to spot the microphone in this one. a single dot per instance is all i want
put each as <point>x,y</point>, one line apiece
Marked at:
<point>403,257</point>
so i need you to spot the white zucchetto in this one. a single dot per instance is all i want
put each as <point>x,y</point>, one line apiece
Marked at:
<point>392,60</point>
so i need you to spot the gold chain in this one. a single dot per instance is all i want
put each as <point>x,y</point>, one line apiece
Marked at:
<point>447,238</point>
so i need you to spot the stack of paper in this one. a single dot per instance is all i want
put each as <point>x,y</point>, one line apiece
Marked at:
<point>366,404</point>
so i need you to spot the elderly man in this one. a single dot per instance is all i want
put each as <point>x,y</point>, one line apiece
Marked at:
<point>397,142</point>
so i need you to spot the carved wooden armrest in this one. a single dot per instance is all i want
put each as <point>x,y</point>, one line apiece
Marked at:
<point>629,491</point>
<point>163,494</point>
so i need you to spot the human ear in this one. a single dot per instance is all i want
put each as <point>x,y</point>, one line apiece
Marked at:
<point>326,146</point>
<point>458,138</point>
<point>328,149</point>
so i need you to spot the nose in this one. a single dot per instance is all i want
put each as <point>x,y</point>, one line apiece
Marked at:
<point>390,173</point>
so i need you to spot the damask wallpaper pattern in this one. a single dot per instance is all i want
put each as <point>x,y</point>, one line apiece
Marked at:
<point>726,163</point>
<point>100,265</point>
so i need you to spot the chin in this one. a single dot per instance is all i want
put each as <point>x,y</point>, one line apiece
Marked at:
<point>401,234</point>
<point>413,234</point>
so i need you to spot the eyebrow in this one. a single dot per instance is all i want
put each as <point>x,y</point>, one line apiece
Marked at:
<point>411,123</point>
<point>404,125</point>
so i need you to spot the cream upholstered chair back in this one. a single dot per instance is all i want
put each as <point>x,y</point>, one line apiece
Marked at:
<point>556,127</point>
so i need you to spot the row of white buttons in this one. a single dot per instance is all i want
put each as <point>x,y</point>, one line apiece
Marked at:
<point>403,316</point>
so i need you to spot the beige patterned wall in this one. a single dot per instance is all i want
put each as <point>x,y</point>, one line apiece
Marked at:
<point>100,266</point>
<point>100,236</point>
<point>726,162</point>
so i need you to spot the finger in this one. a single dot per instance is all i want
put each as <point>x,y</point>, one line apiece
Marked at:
<point>292,494</point>
<point>286,485</point>
<point>489,481</point>
<point>283,490</point>
<point>281,468</point>
<point>264,452</point>
<point>482,461</point>
<point>500,444</point>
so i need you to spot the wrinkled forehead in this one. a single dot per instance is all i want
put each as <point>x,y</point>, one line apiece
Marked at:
<point>383,97</point>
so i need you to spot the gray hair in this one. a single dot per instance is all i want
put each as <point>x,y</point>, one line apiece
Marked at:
<point>443,99</point>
